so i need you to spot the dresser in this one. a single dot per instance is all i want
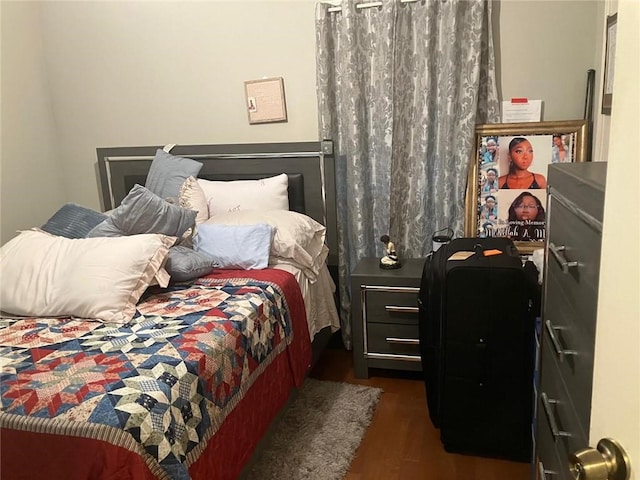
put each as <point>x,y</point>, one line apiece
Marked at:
<point>384,305</point>
<point>575,206</point>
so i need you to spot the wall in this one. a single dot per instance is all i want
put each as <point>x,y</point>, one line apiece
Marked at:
<point>545,49</point>
<point>139,73</point>
<point>147,73</point>
<point>30,171</point>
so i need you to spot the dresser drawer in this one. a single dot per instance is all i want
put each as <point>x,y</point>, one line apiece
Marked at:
<point>389,338</point>
<point>550,463</point>
<point>566,310</point>
<point>556,407</point>
<point>575,240</point>
<point>398,305</point>
<point>572,346</point>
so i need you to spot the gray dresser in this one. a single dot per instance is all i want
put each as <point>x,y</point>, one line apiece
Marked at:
<point>385,316</point>
<point>570,298</point>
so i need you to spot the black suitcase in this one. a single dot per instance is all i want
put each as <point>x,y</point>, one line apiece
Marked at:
<point>477,321</point>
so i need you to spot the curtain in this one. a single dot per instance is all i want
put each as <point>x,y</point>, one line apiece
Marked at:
<point>400,89</point>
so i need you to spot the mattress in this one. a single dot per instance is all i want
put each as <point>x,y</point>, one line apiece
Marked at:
<point>184,390</point>
<point>319,298</point>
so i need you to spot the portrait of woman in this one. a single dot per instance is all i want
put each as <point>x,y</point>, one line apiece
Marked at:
<point>518,177</point>
<point>559,151</point>
<point>490,184</point>
<point>490,153</point>
<point>526,218</point>
<point>489,210</point>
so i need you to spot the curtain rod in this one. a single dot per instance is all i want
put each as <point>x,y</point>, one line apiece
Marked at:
<point>337,8</point>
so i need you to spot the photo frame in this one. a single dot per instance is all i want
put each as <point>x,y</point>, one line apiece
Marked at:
<point>265,100</point>
<point>506,187</point>
<point>609,64</point>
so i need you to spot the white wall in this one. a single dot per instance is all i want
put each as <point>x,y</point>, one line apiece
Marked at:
<point>545,50</point>
<point>30,166</point>
<point>147,73</point>
<point>141,73</point>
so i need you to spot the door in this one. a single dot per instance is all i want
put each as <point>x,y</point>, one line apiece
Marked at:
<point>615,410</point>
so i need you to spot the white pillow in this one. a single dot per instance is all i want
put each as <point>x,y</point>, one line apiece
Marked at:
<point>264,194</point>
<point>192,196</point>
<point>102,278</point>
<point>298,239</point>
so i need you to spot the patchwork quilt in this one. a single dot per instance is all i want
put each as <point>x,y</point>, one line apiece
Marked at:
<point>159,385</point>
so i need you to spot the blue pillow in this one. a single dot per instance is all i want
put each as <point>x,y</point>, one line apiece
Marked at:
<point>184,264</point>
<point>141,211</point>
<point>244,247</point>
<point>168,173</point>
<point>73,221</point>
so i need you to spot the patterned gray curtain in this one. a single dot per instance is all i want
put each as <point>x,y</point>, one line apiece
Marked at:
<point>400,89</point>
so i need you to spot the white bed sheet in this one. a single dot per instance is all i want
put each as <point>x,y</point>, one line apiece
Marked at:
<point>318,298</point>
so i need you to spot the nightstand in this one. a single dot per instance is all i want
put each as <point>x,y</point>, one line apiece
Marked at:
<point>384,304</point>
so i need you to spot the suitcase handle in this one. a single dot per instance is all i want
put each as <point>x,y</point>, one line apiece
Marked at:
<point>559,256</point>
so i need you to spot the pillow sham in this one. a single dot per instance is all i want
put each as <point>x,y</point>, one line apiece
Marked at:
<point>191,196</point>
<point>264,194</point>
<point>142,211</point>
<point>168,172</point>
<point>184,264</point>
<point>244,247</point>
<point>297,238</point>
<point>100,278</point>
<point>73,221</point>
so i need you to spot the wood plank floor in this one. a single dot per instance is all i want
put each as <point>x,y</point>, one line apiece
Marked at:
<point>401,443</point>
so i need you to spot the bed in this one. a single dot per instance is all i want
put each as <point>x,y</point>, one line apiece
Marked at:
<point>187,385</point>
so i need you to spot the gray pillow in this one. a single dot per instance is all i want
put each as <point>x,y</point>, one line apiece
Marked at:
<point>142,211</point>
<point>185,264</point>
<point>168,173</point>
<point>73,221</point>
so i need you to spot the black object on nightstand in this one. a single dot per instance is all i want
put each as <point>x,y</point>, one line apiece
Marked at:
<point>384,304</point>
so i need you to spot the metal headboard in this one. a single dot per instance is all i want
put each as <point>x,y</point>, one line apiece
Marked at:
<point>309,165</point>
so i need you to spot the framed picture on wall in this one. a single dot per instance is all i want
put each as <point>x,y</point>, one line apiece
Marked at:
<point>506,189</point>
<point>265,100</point>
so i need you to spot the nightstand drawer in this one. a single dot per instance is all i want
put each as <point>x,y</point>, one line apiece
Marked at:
<point>389,338</point>
<point>391,305</point>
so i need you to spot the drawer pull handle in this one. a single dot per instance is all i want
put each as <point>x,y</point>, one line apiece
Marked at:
<point>394,357</point>
<point>557,253</point>
<point>542,473</point>
<point>403,341</point>
<point>560,351</point>
<point>551,419</point>
<point>399,309</point>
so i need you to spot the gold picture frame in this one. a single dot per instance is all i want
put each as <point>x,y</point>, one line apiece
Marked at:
<point>517,192</point>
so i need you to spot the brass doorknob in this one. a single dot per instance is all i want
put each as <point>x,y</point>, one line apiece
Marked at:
<point>608,461</point>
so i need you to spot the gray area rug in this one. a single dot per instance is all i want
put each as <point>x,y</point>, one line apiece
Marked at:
<point>318,434</point>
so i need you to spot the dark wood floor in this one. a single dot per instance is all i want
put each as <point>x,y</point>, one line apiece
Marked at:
<point>401,443</point>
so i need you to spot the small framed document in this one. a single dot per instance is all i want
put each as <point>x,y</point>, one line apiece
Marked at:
<point>265,101</point>
<point>520,110</point>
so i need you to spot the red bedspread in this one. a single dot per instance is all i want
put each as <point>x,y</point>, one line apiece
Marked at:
<point>82,399</point>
